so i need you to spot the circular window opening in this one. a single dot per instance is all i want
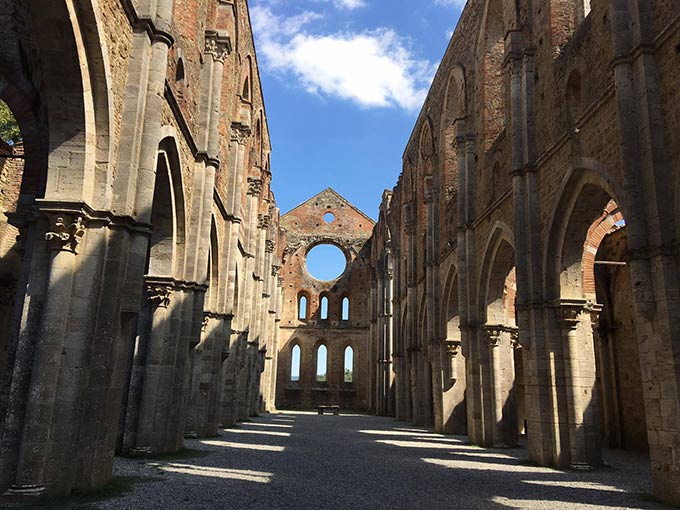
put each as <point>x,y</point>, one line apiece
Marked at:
<point>326,262</point>
<point>329,217</point>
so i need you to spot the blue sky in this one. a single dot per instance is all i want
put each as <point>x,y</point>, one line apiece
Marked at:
<point>343,83</point>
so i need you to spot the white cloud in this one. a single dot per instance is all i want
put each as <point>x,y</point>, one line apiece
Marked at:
<point>454,3</point>
<point>344,4</point>
<point>350,4</point>
<point>373,69</point>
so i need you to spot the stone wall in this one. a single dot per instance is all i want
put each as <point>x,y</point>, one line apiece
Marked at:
<point>541,116</point>
<point>349,230</point>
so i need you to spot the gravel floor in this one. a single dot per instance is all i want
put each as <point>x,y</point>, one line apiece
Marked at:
<point>301,460</point>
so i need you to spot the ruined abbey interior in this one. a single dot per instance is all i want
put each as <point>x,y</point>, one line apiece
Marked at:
<point>520,285</point>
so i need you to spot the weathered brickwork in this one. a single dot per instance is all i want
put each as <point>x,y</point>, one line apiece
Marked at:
<point>350,230</point>
<point>140,301</point>
<point>530,245</point>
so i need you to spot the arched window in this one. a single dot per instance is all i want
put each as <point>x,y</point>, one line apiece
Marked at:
<point>321,363</point>
<point>323,312</point>
<point>303,304</point>
<point>349,365</point>
<point>345,309</point>
<point>295,363</point>
<point>180,79</point>
<point>246,90</point>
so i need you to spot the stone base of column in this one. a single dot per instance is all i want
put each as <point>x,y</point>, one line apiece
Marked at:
<point>141,451</point>
<point>581,466</point>
<point>23,494</point>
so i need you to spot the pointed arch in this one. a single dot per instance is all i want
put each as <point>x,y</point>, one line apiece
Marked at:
<point>295,361</point>
<point>452,124</point>
<point>491,47</point>
<point>498,265</point>
<point>584,194</point>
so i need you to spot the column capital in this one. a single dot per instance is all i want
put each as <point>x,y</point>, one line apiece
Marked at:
<point>493,334</point>
<point>240,133</point>
<point>269,246</point>
<point>217,45</point>
<point>452,348</point>
<point>158,294</point>
<point>65,232</point>
<point>263,221</point>
<point>254,186</point>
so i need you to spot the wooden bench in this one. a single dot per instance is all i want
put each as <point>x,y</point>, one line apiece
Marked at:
<point>334,409</point>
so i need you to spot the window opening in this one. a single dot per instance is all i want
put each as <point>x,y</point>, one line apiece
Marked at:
<point>321,363</point>
<point>345,309</point>
<point>349,365</point>
<point>295,364</point>
<point>324,308</point>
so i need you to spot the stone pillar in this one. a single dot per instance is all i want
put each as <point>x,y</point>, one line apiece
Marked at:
<point>455,415</point>
<point>410,334</point>
<point>651,233</point>
<point>581,387</point>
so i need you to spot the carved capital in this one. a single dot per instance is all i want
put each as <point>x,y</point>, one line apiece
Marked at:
<point>569,313</point>
<point>217,45</point>
<point>275,270</point>
<point>158,295</point>
<point>240,133</point>
<point>254,187</point>
<point>493,335</point>
<point>452,348</point>
<point>269,246</point>
<point>65,233</point>
<point>204,325</point>
<point>264,221</point>
<point>514,337</point>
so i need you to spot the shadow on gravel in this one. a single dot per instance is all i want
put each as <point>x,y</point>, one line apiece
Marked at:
<point>118,486</point>
<point>183,454</point>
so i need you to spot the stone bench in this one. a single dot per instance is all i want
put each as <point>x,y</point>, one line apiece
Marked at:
<point>334,409</point>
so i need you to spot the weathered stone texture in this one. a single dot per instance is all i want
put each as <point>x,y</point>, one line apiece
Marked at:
<point>541,116</point>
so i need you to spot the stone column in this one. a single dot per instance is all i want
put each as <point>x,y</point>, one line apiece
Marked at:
<point>651,233</point>
<point>410,334</point>
<point>580,382</point>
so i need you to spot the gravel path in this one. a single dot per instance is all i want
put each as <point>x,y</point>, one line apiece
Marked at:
<point>301,460</point>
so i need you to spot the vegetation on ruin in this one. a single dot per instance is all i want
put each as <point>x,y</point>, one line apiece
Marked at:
<point>9,128</point>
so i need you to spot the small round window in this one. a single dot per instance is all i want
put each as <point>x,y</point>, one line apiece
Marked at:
<point>326,262</point>
<point>329,217</point>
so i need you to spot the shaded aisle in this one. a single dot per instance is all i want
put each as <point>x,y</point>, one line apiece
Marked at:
<point>302,460</point>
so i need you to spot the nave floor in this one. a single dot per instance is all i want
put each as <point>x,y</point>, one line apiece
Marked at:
<point>296,460</point>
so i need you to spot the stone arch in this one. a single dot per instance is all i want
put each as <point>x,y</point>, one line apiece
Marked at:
<point>303,305</point>
<point>453,118</point>
<point>246,89</point>
<point>498,263</point>
<point>585,192</point>
<point>167,244</point>
<point>491,48</point>
<point>66,60</point>
<point>574,96</point>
